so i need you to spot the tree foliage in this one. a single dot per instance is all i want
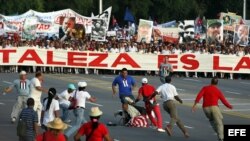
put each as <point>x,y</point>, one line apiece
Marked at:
<point>161,10</point>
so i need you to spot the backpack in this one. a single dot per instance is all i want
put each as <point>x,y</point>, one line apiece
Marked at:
<point>21,127</point>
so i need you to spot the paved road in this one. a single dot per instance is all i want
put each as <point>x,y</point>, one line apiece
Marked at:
<point>237,92</point>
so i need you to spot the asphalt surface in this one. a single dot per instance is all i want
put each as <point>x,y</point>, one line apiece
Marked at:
<point>99,86</point>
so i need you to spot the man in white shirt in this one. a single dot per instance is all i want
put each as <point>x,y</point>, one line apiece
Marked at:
<point>81,96</point>
<point>64,101</point>
<point>36,90</point>
<point>169,94</point>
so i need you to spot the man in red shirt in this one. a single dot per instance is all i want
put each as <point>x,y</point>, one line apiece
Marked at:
<point>211,95</point>
<point>146,92</point>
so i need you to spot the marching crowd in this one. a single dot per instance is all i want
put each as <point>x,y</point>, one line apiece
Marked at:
<point>31,112</point>
<point>112,45</point>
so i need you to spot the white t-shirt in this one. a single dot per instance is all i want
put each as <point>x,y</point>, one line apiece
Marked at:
<point>64,97</point>
<point>34,93</point>
<point>81,97</point>
<point>49,115</point>
<point>167,91</point>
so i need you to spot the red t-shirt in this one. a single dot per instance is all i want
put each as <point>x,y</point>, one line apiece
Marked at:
<point>211,94</point>
<point>50,137</point>
<point>146,91</point>
<point>97,135</point>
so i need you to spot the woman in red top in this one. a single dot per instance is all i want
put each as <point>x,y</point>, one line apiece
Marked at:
<point>93,130</point>
<point>146,92</point>
<point>55,131</point>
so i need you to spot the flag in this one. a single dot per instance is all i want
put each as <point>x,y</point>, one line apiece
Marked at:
<point>129,16</point>
<point>114,21</point>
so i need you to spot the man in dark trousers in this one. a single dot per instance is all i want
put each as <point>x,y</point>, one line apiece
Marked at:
<point>211,95</point>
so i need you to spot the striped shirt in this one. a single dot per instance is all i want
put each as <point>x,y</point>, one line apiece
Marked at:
<point>22,87</point>
<point>30,117</point>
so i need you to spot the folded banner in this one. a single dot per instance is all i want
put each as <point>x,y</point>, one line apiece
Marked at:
<point>25,56</point>
<point>47,23</point>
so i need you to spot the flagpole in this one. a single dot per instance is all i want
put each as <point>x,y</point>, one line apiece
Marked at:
<point>244,10</point>
<point>100,6</point>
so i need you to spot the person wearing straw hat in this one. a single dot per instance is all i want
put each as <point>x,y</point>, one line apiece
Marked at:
<point>22,86</point>
<point>93,130</point>
<point>54,133</point>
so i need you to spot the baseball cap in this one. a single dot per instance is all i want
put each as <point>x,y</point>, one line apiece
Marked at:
<point>144,80</point>
<point>23,73</point>
<point>82,84</point>
<point>71,86</point>
<point>212,23</point>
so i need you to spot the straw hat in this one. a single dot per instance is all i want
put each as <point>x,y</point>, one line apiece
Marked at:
<point>58,124</point>
<point>95,112</point>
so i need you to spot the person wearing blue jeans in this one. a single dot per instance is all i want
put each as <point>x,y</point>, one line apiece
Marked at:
<point>81,96</point>
<point>65,103</point>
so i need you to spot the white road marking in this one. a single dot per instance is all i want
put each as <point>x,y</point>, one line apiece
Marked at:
<point>188,79</point>
<point>188,99</point>
<point>7,82</point>
<point>190,127</point>
<point>245,83</point>
<point>2,103</point>
<point>109,77</point>
<point>180,89</point>
<point>96,104</point>
<point>233,92</point>
<point>239,110</point>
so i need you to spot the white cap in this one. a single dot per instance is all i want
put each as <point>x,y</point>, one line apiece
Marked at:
<point>82,84</point>
<point>22,73</point>
<point>144,80</point>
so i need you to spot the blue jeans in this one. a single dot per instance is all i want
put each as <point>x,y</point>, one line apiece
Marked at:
<point>79,114</point>
<point>65,111</point>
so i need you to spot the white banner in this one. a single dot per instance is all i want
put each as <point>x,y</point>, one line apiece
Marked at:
<point>184,62</point>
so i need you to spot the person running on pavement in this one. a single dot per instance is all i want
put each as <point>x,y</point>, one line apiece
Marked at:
<point>50,108</point>
<point>211,94</point>
<point>81,96</point>
<point>93,130</point>
<point>165,69</point>
<point>169,94</point>
<point>145,91</point>
<point>65,103</point>
<point>126,85</point>
<point>29,116</point>
<point>36,90</point>
<point>22,86</point>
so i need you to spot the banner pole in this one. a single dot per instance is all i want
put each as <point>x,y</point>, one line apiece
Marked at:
<point>100,6</point>
<point>244,9</point>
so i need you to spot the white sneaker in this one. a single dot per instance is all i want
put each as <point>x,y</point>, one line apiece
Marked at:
<point>13,120</point>
<point>161,130</point>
